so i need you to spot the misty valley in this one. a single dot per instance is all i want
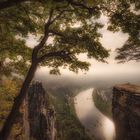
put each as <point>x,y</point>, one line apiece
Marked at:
<point>69,69</point>
<point>64,111</point>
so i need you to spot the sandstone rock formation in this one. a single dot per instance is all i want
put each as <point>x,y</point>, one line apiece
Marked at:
<point>38,120</point>
<point>126,111</point>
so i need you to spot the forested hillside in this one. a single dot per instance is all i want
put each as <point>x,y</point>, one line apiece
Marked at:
<point>68,125</point>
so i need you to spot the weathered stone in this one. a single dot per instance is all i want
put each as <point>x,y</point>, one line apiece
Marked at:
<point>37,110</point>
<point>37,119</point>
<point>126,111</point>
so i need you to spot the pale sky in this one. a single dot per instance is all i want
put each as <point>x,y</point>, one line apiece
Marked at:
<point>110,41</point>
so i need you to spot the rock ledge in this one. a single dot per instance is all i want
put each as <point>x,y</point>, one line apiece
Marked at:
<point>126,111</point>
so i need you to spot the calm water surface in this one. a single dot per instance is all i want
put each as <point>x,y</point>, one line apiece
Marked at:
<point>97,125</point>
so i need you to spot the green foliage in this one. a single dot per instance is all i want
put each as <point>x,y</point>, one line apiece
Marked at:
<point>16,23</point>
<point>104,106</point>
<point>126,17</point>
<point>8,91</point>
<point>21,20</point>
<point>68,126</point>
<point>71,23</point>
<point>76,31</point>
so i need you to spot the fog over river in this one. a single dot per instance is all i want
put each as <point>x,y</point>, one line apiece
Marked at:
<point>97,125</point>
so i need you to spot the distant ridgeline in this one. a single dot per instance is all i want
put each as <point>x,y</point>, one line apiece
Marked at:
<point>126,111</point>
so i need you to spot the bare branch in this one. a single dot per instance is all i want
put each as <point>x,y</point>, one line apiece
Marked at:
<point>48,23</point>
<point>61,54</point>
<point>45,37</point>
<point>53,32</point>
<point>50,16</point>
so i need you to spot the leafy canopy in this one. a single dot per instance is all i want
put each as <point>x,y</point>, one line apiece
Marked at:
<point>125,16</point>
<point>73,28</point>
<point>71,40</point>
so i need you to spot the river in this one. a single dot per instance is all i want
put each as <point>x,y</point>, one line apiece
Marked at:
<point>97,125</point>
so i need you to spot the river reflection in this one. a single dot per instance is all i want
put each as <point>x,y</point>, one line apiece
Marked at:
<point>97,125</point>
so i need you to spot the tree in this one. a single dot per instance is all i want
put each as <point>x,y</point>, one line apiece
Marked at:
<point>15,23</point>
<point>70,40</point>
<point>125,16</point>
<point>8,91</point>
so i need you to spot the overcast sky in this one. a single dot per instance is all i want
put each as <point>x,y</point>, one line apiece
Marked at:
<point>110,41</point>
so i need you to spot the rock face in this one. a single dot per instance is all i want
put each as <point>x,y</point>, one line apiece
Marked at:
<point>39,118</point>
<point>126,111</point>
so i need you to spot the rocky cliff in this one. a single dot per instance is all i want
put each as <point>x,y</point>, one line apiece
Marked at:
<point>103,100</point>
<point>126,111</point>
<point>39,116</point>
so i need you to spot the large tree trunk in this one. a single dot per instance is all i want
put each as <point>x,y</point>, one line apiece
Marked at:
<point>5,132</point>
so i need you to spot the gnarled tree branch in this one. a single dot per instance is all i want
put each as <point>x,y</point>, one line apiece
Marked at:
<point>62,54</point>
<point>53,32</point>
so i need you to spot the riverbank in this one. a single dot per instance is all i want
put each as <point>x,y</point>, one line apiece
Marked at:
<point>97,125</point>
<point>67,124</point>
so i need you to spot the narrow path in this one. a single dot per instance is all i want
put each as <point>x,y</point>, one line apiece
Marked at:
<point>97,125</point>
